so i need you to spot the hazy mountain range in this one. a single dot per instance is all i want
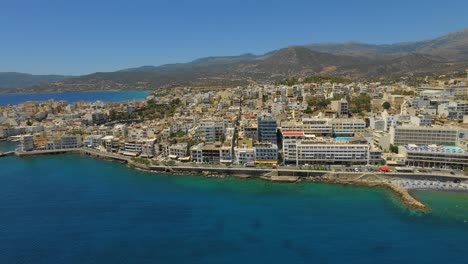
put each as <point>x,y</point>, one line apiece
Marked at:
<point>444,54</point>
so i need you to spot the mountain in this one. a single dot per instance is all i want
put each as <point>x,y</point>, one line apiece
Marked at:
<point>353,60</point>
<point>453,46</point>
<point>16,79</point>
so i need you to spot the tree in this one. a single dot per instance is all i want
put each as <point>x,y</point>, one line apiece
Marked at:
<point>361,103</point>
<point>386,105</point>
<point>318,103</point>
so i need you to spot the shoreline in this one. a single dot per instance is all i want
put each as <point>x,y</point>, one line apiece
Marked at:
<point>273,175</point>
<point>402,194</point>
<point>87,91</point>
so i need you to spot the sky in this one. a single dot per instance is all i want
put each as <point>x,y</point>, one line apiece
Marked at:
<point>85,36</point>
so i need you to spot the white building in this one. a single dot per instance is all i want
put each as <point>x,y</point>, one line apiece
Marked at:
<point>347,126</point>
<point>434,156</point>
<point>402,135</point>
<point>64,142</point>
<point>92,141</point>
<point>111,143</point>
<point>266,153</point>
<point>341,107</point>
<point>178,150</point>
<point>211,130</point>
<point>26,143</point>
<point>326,151</point>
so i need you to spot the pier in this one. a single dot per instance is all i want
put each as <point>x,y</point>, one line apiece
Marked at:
<point>8,153</point>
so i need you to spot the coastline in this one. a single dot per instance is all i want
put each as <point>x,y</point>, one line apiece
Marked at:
<point>274,175</point>
<point>403,194</point>
<point>77,91</point>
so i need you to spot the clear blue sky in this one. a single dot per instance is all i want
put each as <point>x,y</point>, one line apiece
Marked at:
<point>84,36</point>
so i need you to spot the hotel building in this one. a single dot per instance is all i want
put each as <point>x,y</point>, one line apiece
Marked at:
<point>434,156</point>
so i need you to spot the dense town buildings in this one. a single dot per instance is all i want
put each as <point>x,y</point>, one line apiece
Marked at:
<point>258,125</point>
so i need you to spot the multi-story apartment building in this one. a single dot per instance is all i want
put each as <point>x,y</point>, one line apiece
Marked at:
<point>211,130</point>
<point>402,135</point>
<point>111,143</point>
<point>267,129</point>
<point>244,155</point>
<point>316,126</point>
<point>341,107</point>
<point>148,149</point>
<point>266,153</point>
<point>434,156</point>
<point>178,150</point>
<point>251,131</point>
<point>207,153</point>
<point>421,120</point>
<point>390,119</point>
<point>26,143</point>
<point>326,151</point>
<point>453,110</point>
<point>347,126</point>
<point>64,142</point>
<point>92,141</point>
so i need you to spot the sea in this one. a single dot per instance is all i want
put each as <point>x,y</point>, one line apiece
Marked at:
<point>76,209</point>
<point>71,97</point>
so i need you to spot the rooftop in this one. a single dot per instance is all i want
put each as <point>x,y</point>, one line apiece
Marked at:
<point>434,148</point>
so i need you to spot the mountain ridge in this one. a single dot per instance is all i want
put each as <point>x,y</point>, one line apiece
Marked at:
<point>349,59</point>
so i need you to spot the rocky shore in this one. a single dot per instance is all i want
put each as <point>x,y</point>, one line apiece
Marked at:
<point>375,182</point>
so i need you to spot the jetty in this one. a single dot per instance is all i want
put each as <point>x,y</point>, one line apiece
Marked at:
<point>8,153</point>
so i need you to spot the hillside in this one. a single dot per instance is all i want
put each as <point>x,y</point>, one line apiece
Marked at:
<point>452,47</point>
<point>16,79</point>
<point>352,60</point>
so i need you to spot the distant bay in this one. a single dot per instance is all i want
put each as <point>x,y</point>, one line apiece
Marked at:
<point>71,97</point>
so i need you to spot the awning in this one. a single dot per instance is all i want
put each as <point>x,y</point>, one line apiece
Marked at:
<point>384,168</point>
<point>272,162</point>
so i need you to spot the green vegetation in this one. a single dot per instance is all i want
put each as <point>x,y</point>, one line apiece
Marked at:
<point>393,148</point>
<point>152,110</point>
<point>316,103</point>
<point>169,163</point>
<point>141,161</point>
<point>314,79</point>
<point>402,92</point>
<point>386,105</point>
<point>360,104</point>
<point>178,134</point>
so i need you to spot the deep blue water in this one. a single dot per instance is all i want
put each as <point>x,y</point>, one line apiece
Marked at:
<point>71,97</point>
<point>75,209</point>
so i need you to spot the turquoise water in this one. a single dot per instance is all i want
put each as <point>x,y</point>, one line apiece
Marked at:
<point>71,97</point>
<point>342,138</point>
<point>75,209</point>
<point>452,148</point>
